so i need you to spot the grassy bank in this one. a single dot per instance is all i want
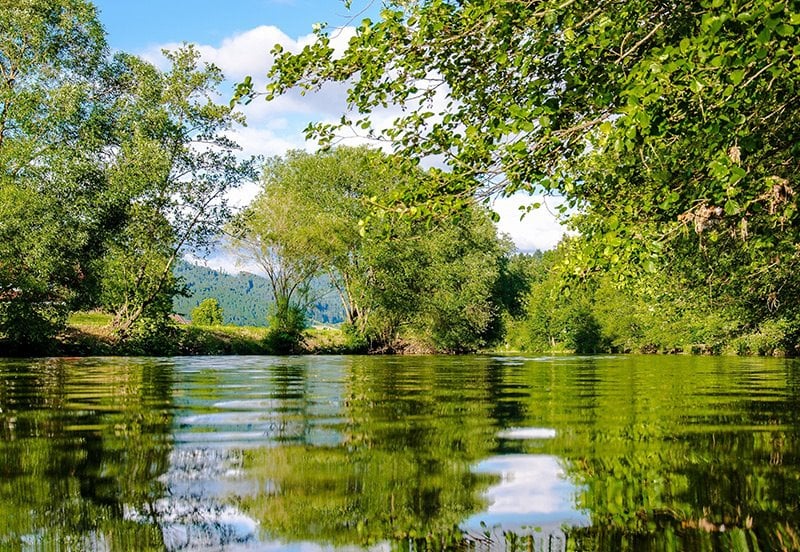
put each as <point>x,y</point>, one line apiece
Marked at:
<point>88,334</point>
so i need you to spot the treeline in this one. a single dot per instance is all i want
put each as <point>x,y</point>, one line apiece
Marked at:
<point>670,129</point>
<point>656,313</point>
<point>679,165</point>
<point>110,170</point>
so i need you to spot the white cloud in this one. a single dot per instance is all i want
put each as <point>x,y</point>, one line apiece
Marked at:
<point>246,53</point>
<point>533,491</point>
<point>226,260</point>
<point>532,483</point>
<point>538,229</point>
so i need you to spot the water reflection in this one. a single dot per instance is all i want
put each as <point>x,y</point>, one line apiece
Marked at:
<point>81,441</point>
<point>426,453</point>
<point>533,493</point>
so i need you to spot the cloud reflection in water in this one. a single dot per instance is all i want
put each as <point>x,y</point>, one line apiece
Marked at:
<point>533,490</point>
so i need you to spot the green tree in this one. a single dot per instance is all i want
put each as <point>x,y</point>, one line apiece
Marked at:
<point>207,313</point>
<point>313,212</point>
<point>670,127</point>
<point>658,312</point>
<point>175,165</point>
<point>52,134</point>
<point>274,232</point>
<point>434,283</point>
<point>463,264</point>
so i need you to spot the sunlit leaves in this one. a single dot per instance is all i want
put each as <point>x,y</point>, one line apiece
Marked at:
<point>628,108</point>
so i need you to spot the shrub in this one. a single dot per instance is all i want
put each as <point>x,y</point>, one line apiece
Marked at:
<point>286,325</point>
<point>207,313</point>
<point>29,327</point>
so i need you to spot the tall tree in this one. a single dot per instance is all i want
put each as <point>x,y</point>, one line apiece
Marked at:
<point>306,221</point>
<point>277,230</point>
<point>51,140</point>
<point>433,283</point>
<point>174,165</point>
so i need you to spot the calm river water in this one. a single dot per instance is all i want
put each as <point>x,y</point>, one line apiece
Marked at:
<point>309,453</point>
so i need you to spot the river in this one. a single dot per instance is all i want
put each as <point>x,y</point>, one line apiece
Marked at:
<point>409,453</point>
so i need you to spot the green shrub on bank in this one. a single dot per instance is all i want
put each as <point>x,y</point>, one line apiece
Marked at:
<point>28,327</point>
<point>207,313</point>
<point>770,339</point>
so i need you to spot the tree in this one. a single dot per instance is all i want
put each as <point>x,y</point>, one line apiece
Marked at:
<point>462,261</point>
<point>175,165</point>
<point>273,232</point>
<point>207,313</point>
<point>434,283</point>
<point>313,212</point>
<point>109,170</point>
<point>51,185</point>
<point>669,126</point>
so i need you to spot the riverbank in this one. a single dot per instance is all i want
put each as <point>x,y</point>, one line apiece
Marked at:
<point>87,334</point>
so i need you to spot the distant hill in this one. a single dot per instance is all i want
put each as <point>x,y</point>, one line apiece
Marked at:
<point>245,298</point>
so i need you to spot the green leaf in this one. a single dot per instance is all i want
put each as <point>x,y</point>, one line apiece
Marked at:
<point>731,207</point>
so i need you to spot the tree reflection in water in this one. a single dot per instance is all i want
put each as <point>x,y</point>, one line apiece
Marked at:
<point>81,442</point>
<point>424,453</point>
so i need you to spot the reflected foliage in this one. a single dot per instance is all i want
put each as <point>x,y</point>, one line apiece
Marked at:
<point>82,446</point>
<point>599,453</point>
<point>701,460</point>
<point>399,470</point>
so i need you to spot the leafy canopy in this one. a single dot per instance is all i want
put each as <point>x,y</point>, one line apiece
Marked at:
<point>671,127</point>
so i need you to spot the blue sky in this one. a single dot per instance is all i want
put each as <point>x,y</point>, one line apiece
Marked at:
<point>237,36</point>
<point>135,25</point>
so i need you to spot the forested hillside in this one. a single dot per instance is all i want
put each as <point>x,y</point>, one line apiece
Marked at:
<point>245,298</point>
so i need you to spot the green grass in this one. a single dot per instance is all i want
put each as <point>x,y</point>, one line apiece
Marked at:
<point>91,318</point>
<point>88,333</point>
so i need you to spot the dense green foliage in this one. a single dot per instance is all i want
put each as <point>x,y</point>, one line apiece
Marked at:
<point>110,169</point>
<point>435,285</point>
<point>671,128</point>
<point>207,313</point>
<point>659,313</point>
<point>51,193</point>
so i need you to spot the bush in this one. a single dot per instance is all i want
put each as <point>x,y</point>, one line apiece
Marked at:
<point>286,325</point>
<point>28,327</point>
<point>157,335</point>
<point>207,313</point>
<point>771,338</point>
<point>354,340</point>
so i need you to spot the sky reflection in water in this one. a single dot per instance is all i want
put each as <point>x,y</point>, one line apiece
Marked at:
<point>316,453</point>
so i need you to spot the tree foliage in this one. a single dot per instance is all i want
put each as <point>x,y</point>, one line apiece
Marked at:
<point>434,283</point>
<point>110,169</point>
<point>669,126</point>
<point>174,165</point>
<point>660,312</point>
<point>50,187</point>
<point>207,313</point>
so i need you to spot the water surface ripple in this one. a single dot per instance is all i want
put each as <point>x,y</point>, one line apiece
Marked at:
<point>480,452</point>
